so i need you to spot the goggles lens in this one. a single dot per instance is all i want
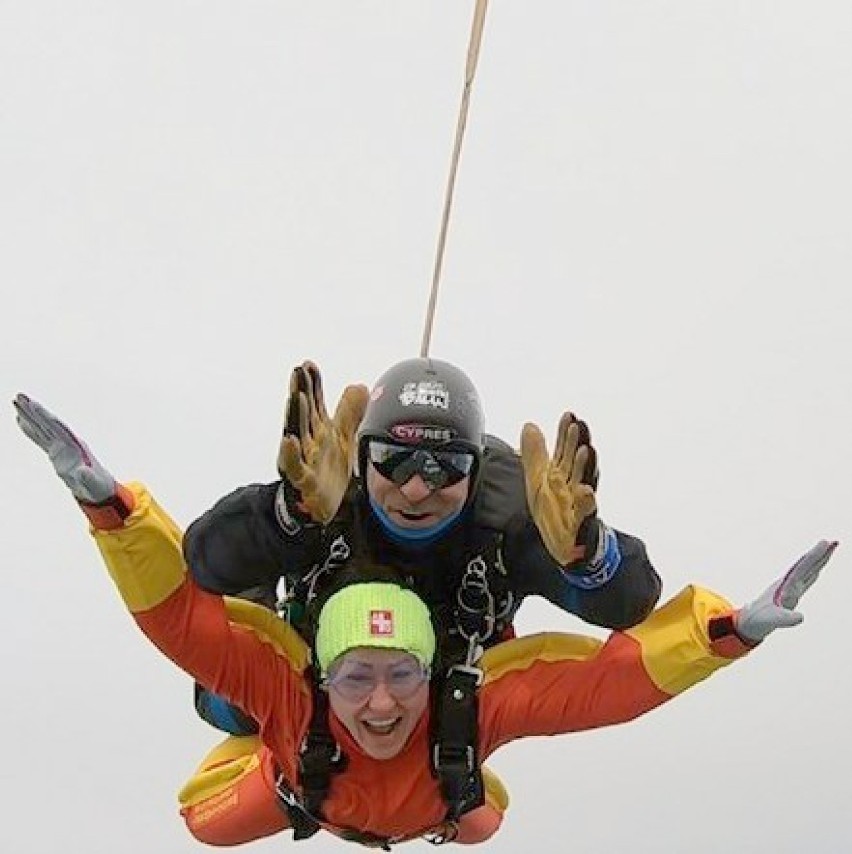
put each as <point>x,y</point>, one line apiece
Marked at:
<point>438,468</point>
<point>355,681</point>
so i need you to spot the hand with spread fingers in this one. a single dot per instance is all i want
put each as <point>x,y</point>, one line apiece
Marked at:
<point>560,490</point>
<point>316,454</point>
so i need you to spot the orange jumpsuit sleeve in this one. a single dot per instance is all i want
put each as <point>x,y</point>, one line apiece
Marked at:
<point>235,648</point>
<point>556,683</point>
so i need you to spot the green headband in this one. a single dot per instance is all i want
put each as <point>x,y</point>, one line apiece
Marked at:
<point>374,614</point>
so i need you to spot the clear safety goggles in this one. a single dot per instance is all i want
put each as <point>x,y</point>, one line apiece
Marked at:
<point>355,681</point>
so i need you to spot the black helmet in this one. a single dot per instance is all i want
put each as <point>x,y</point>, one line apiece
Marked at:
<point>426,402</point>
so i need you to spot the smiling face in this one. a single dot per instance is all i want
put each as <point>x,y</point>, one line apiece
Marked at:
<point>379,695</point>
<point>414,505</point>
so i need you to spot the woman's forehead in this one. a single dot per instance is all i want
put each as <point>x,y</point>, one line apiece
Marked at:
<point>369,656</point>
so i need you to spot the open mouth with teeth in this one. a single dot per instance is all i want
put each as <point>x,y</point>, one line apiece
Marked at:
<point>383,727</point>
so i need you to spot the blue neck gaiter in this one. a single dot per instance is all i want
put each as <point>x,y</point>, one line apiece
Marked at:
<point>414,538</point>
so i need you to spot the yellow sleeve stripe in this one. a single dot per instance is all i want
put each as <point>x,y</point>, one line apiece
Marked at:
<point>271,629</point>
<point>521,653</point>
<point>674,641</point>
<point>144,557</point>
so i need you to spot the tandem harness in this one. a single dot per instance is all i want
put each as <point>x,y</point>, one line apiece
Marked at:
<point>484,607</point>
<point>455,761</point>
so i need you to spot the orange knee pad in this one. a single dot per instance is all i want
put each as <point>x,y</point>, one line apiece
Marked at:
<point>231,799</point>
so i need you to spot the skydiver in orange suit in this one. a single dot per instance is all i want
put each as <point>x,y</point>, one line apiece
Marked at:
<point>372,655</point>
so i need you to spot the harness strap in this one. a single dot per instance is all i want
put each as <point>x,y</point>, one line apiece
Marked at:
<point>479,615</point>
<point>320,755</point>
<point>475,602</point>
<point>319,758</point>
<point>447,832</point>
<point>304,825</point>
<point>454,754</point>
<point>485,603</point>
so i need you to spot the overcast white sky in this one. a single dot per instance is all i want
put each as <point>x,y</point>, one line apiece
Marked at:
<point>653,227</point>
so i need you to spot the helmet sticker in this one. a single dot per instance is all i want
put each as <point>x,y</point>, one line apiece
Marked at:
<point>377,392</point>
<point>414,433</point>
<point>425,393</point>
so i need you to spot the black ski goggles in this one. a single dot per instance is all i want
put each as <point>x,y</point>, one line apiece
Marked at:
<point>438,468</point>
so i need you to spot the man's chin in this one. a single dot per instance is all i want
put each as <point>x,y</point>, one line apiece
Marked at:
<point>414,522</point>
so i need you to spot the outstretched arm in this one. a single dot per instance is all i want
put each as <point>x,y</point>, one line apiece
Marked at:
<point>553,683</point>
<point>236,649</point>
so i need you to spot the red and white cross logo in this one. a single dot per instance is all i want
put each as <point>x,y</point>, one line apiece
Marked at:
<point>381,623</point>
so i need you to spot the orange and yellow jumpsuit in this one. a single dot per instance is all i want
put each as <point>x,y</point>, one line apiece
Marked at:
<point>543,684</point>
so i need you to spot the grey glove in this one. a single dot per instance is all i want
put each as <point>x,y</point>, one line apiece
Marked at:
<point>81,472</point>
<point>774,608</point>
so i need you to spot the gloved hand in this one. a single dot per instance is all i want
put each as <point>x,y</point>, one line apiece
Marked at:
<point>774,608</point>
<point>317,453</point>
<point>87,479</point>
<point>561,490</point>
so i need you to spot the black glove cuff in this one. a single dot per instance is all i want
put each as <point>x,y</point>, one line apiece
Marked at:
<point>289,512</point>
<point>599,568</point>
<point>588,536</point>
<point>725,640</point>
<point>110,514</point>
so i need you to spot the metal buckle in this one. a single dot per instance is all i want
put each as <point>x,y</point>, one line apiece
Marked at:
<point>447,832</point>
<point>466,754</point>
<point>283,790</point>
<point>475,578</point>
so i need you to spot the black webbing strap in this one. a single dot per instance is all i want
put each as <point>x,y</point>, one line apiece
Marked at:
<point>304,825</point>
<point>319,756</point>
<point>455,753</point>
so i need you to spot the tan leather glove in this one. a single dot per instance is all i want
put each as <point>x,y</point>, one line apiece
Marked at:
<point>560,490</point>
<point>317,452</point>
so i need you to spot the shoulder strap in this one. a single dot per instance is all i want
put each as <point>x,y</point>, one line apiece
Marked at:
<point>320,755</point>
<point>455,757</point>
<point>455,754</point>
